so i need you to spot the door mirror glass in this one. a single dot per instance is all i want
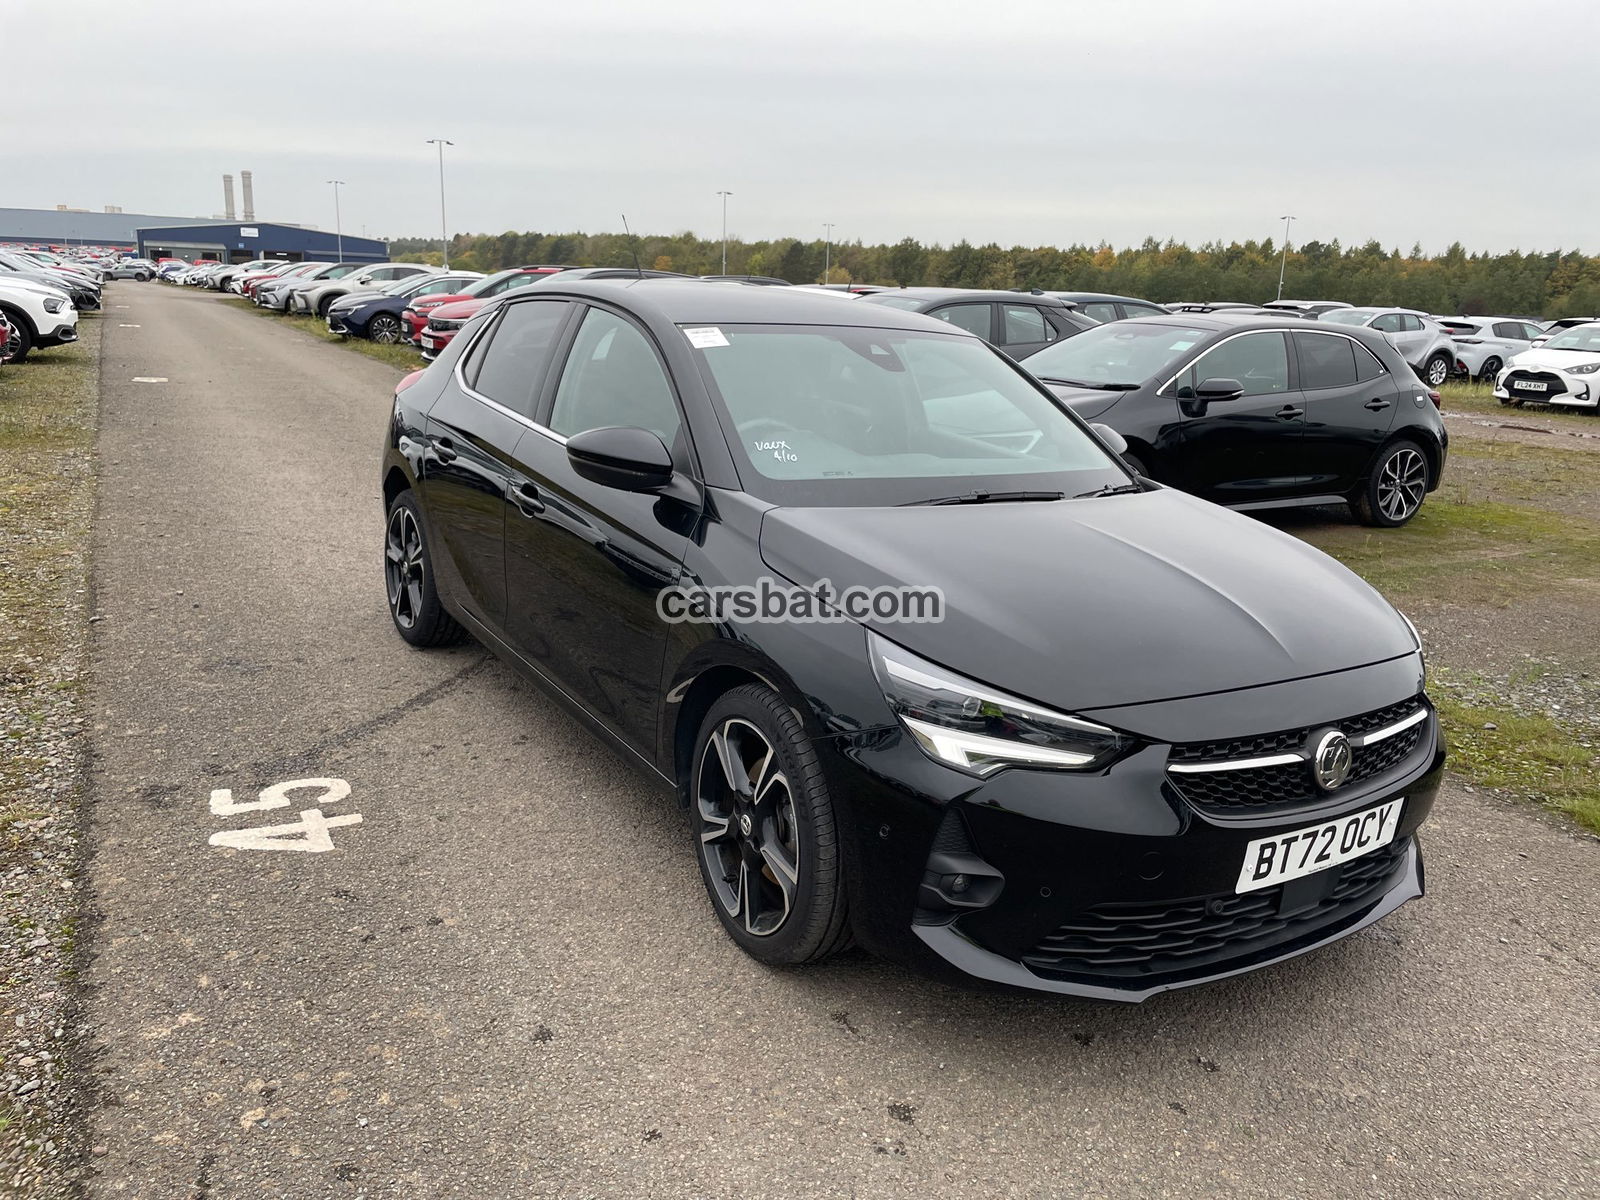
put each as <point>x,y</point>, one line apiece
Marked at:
<point>1219,389</point>
<point>624,457</point>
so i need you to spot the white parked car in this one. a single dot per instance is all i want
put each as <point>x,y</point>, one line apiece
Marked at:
<point>1556,327</point>
<point>1565,370</point>
<point>1486,344</point>
<point>39,316</point>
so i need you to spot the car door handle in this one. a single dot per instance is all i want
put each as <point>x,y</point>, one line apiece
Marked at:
<point>1289,410</point>
<point>444,450</point>
<point>1376,405</point>
<point>527,498</point>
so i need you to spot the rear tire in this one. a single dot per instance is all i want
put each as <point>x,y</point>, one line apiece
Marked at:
<point>1395,487</point>
<point>1490,369</point>
<point>1437,370</point>
<point>408,577</point>
<point>765,832</point>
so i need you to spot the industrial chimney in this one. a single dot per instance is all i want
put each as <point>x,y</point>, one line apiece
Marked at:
<point>227,197</point>
<point>249,196</point>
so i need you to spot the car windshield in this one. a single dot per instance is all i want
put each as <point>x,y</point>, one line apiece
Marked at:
<point>1585,338</point>
<point>1347,316</point>
<point>845,416</point>
<point>1121,354</point>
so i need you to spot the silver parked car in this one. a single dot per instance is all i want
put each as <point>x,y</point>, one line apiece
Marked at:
<point>1485,344</point>
<point>318,297</point>
<point>277,293</point>
<point>1421,340</point>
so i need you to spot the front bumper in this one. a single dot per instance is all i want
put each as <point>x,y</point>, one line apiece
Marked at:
<point>1111,886</point>
<point>1559,387</point>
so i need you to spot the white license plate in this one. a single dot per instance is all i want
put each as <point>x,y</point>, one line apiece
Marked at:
<point>1274,860</point>
<point>1524,385</point>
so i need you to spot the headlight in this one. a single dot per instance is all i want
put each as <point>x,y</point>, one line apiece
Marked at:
<point>54,304</point>
<point>1586,369</point>
<point>980,731</point>
<point>439,324</point>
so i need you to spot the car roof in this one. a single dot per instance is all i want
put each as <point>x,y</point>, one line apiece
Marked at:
<point>1109,297</point>
<point>930,294</point>
<point>693,301</point>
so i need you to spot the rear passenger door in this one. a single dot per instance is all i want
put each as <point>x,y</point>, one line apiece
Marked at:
<point>1350,401</point>
<point>1025,329</point>
<point>975,318</point>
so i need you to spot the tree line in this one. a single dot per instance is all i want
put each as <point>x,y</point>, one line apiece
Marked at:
<point>1538,284</point>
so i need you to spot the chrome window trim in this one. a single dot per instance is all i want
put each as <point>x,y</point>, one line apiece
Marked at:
<point>1236,764</point>
<point>1388,731</point>
<point>1243,333</point>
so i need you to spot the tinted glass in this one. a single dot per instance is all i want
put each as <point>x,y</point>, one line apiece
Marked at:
<point>1259,361</point>
<point>1508,329</point>
<point>1325,361</point>
<point>1368,366</point>
<point>1388,323</point>
<point>1099,311</point>
<point>613,377</point>
<point>1119,353</point>
<point>836,415</point>
<point>974,318</point>
<point>1025,323</point>
<point>508,365</point>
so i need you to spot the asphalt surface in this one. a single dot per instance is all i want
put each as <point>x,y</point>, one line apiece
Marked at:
<point>505,981</point>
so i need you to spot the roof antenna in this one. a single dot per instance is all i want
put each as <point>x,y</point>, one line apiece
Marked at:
<point>632,249</point>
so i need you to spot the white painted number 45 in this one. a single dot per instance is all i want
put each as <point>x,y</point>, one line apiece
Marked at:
<point>309,834</point>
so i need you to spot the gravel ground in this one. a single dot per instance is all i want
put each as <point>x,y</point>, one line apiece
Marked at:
<point>48,411</point>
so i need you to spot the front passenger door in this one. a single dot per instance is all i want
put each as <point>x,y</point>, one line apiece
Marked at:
<point>1351,401</point>
<point>1245,450</point>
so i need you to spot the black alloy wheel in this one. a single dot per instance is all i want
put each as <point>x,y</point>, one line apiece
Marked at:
<point>408,574</point>
<point>1437,370</point>
<point>384,329</point>
<point>1491,368</point>
<point>765,830</point>
<point>1395,489</point>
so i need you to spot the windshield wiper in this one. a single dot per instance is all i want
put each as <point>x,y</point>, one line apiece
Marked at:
<point>981,497</point>
<point>1099,387</point>
<point>1111,489</point>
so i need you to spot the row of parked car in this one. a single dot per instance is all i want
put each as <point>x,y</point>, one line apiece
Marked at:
<point>41,295</point>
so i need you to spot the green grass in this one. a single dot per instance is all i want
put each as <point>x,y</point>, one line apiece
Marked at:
<point>403,358</point>
<point>1478,399</point>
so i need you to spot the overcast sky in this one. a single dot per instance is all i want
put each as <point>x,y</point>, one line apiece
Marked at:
<point>1017,121</point>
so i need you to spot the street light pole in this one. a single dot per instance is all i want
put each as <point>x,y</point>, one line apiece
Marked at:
<point>827,250</point>
<point>338,221</point>
<point>1284,261</point>
<point>724,196</point>
<point>444,228</point>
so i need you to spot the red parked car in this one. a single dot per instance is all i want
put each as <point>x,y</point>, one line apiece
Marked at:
<point>418,311</point>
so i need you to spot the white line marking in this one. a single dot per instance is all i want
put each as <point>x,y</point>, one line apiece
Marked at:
<point>277,796</point>
<point>130,326</point>
<point>309,834</point>
<point>149,379</point>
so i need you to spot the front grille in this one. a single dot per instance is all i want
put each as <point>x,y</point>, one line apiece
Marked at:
<point>1165,937</point>
<point>1266,789</point>
<point>1554,385</point>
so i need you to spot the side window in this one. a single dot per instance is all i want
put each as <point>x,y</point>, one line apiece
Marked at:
<point>1142,310</point>
<point>437,286</point>
<point>1411,324</point>
<point>1025,323</point>
<point>1259,361</point>
<point>613,377</point>
<point>1531,331</point>
<point>1100,311</point>
<point>1388,323</point>
<point>974,318</point>
<point>1509,329</point>
<point>1325,360</point>
<point>505,285</point>
<point>508,364</point>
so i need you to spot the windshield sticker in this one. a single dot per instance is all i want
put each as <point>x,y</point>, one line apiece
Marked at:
<point>703,337</point>
<point>1180,345</point>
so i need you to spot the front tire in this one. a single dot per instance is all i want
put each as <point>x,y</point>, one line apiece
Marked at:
<point>1437,370</point>
<point>765,832</point>
<point>408,577</point>
<point>1395,487</point>
<point>385,329</point>
<point>21,340</point>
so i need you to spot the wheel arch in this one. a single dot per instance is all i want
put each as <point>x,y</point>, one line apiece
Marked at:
<point>394,482</point>
<point>1432,452</point>
<point>14,313</point>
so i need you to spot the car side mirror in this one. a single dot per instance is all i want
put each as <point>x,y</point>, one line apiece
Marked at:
<point>1219,389</point>
<point>1113,439</point>
<point>621,456</point>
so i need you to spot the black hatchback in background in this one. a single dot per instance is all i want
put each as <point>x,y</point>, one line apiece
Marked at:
<point>1259,412</point>
<point>1142,742</point>
<point>1019,323</point>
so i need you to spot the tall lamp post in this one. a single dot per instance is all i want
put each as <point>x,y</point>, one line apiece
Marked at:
<point>444,228</point>
<point>724,196</point>
<point>1284,261</point>
<point>827,250</point>
<point>338,221</point>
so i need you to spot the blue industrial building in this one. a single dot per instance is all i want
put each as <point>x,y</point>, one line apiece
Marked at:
<point>241,241</point>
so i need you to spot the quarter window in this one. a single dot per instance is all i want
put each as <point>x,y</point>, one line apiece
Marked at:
<point>1325,361</point>
<point>508,364</point>
<point>974,318</point>
<point>613,377</point>
<point>1259,361</point>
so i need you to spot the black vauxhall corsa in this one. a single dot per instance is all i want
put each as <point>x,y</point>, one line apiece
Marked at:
<point>1258,411</point>
<point>1150,742</point>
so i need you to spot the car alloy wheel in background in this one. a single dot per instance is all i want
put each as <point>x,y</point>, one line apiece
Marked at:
<point>1491,368</point>
<point>1438,370</point>
<point>385,328</point>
